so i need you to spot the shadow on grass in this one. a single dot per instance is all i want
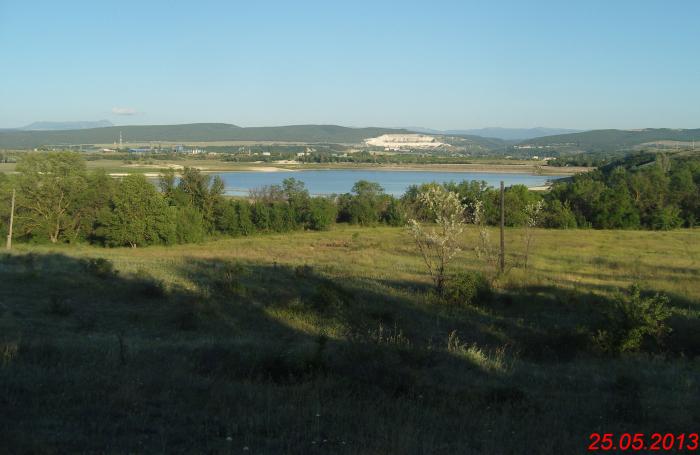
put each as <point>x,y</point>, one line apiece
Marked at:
<point>283,359</point>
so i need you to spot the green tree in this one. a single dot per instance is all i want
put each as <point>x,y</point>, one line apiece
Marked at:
<point>322,213</point>
<point>558,215</point>
<point>364,206</point>
<point>202,192</point>
<point>91,204</point>
<point>245,218</point>
<point>189,225</point>
<point>139,216</point>
<point>226,217</point>
<point>49,188</point>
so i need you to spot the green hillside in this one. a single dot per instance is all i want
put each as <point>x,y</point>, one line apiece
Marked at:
<point>194,132</point>
<point>598,140</point>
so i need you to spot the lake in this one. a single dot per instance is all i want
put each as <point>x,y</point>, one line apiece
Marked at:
<point>320,182</point>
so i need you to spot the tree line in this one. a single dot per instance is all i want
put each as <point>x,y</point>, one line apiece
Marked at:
<point>639,191</point>
<point>59,200</point>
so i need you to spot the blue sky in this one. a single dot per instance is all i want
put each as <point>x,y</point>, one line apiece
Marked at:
<point>440,64</point>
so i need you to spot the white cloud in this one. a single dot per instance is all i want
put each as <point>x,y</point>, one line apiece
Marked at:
<point>123,111</point>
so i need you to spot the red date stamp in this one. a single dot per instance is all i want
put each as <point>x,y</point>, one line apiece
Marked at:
<point>642,441</point>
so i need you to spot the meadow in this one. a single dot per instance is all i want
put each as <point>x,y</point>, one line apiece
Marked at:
<point>333,342</point>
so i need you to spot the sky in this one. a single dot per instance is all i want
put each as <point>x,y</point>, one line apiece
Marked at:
<point>439,64</point>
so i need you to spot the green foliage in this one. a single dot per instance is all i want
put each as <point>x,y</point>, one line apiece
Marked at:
<point>635,322</point>
<point>50,186</point>
<point>139,215</point>
<point>200,191</point>
<point>297,196</point>
<point>261,215</point>
<point>559,215</point>
<point>226,217</point>
<point>394,214</point>
<point>665,218</point>
<point>517,199</point>
<point>322,213</point>
<point>365,206</point>
<point>245,218</point>
<point>189,225</point>
<point>91,205</point>
<point>659,193</point>
<point>468,288</point>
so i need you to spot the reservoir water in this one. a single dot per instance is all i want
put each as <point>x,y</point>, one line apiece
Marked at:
<point>320,182</point>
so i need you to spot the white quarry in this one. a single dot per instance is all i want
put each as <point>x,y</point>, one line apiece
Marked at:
<point>404,141</point>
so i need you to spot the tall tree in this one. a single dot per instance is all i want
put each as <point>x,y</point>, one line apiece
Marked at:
<point>49,187</point>
<point>139,215</point>
<point>202,192</point>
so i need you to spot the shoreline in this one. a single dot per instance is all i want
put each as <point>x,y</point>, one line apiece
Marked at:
<point>209,167</point>
<point>466,168</point>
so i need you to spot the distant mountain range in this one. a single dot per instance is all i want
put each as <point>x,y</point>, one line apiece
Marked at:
<point>606,140</point>
<point>507,134</point>
<point>193,132</point>
<point>596,140</point>
<point>54,126</point>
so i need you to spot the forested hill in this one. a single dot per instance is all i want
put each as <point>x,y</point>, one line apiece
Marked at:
<point>609,140</point>
<point>194,132</point>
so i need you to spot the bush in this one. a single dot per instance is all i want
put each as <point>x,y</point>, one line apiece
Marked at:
<point>636,322</point>
<point>322,213</point>
<point>467,288</point>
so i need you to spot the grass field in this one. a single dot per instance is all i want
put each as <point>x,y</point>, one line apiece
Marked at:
<point>332,342</point>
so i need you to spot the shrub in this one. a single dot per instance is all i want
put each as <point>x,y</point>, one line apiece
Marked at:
<point>635,322</point>
<point>322,213</point>
<point>467,288</point>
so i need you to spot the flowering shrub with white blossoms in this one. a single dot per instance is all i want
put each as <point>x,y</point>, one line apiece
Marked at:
<point>439,244</point>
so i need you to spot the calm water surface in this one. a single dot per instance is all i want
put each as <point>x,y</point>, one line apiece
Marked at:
<point>341,181</point>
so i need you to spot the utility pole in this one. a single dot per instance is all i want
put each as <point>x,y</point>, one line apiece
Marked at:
<point>502,256</point>
<point>12,218</point>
